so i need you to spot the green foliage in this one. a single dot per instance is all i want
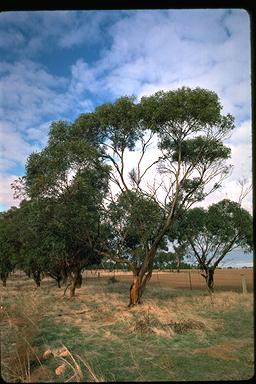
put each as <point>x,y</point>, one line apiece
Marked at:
<point>230,221</point>
<point>120,122</point>
<point>167,112</point>
<point>9,242</point>
<point>134,222</point>
<point>214,232</point>
<point>48,172</point>
<point>199,150</point>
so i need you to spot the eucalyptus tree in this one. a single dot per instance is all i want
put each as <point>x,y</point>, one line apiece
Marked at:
<point>132,230</point>
<point>168,149</point>
<point>67,181</point>
<point>165,151</point>
<point>9,243</point>
<point>33,235</point>
<point>214,232</point>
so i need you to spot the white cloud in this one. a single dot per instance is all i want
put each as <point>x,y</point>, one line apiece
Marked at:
<point>242,133</point>
<point>31,98</point>
<point>6,194</point>
<point>154,50</point>
<point>241,159</point>
<point>146,51</point>
<point>39,133</point>
<point>14,149</point>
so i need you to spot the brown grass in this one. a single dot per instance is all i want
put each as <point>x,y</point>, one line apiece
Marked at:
<point>223,350</point>
<point>19,319</point>
<point>224,278</point>
<point>18,328</point>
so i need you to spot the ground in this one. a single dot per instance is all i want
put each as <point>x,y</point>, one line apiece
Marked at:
<point>176,334</point>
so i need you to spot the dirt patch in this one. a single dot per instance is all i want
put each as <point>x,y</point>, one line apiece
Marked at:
<point>223,350</point>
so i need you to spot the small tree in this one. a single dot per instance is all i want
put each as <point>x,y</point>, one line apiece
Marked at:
<point>32,233</point>
<point>9,243</point>
<point>66,183</point>
<point>214,232</point>
<point>172,259</point>
<point>132,230</point>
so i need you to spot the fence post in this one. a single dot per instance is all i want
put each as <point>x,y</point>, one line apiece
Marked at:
<point>190,282</point>
<point>244,286</point>
<point>158,279</point>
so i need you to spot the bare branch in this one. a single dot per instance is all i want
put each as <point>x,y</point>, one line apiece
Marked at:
<point>245,190</point>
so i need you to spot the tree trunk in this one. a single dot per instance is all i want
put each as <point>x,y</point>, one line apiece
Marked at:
<point>209,274</point>
<point>178,263</point>
<point>57,276</point>
<point>72,288</point>
<point>28,273</point>
<point>59,281</point>
<point>75,281</point>
<point>140,280</point>
<point>4,276</point>
<point>210,280</point>
<point>135,290</point>
<point>64,276</point>
<point>37,278</point>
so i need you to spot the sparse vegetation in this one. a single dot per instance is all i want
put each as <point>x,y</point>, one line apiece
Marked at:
<point>190,335</point>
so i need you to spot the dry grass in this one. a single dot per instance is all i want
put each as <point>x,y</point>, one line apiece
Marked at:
<point>18,328</point>
<point>223,350</point>
<point>163,316</point>
<point>224,278</point>
<point>66,360</point>
<point>19,319</point>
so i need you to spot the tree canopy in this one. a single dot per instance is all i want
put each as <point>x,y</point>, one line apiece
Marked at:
<point>214,232</point>
<point>122,174</point>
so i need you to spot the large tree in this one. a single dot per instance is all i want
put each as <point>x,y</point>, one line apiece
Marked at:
<point>214,232</point>
<point>167,150</point>
<point>177,137</point>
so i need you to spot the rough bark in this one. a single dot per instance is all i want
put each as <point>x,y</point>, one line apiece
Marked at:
<point>135,289</point>
<point>138,285</point>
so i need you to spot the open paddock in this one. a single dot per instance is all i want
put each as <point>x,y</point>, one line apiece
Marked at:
<point>225,279</point>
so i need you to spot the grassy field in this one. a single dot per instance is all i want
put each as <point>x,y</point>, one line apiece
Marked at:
<point>176,334</point>
<point>224,279</point>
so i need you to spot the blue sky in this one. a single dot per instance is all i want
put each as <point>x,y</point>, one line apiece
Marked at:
<point>58,64</point>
